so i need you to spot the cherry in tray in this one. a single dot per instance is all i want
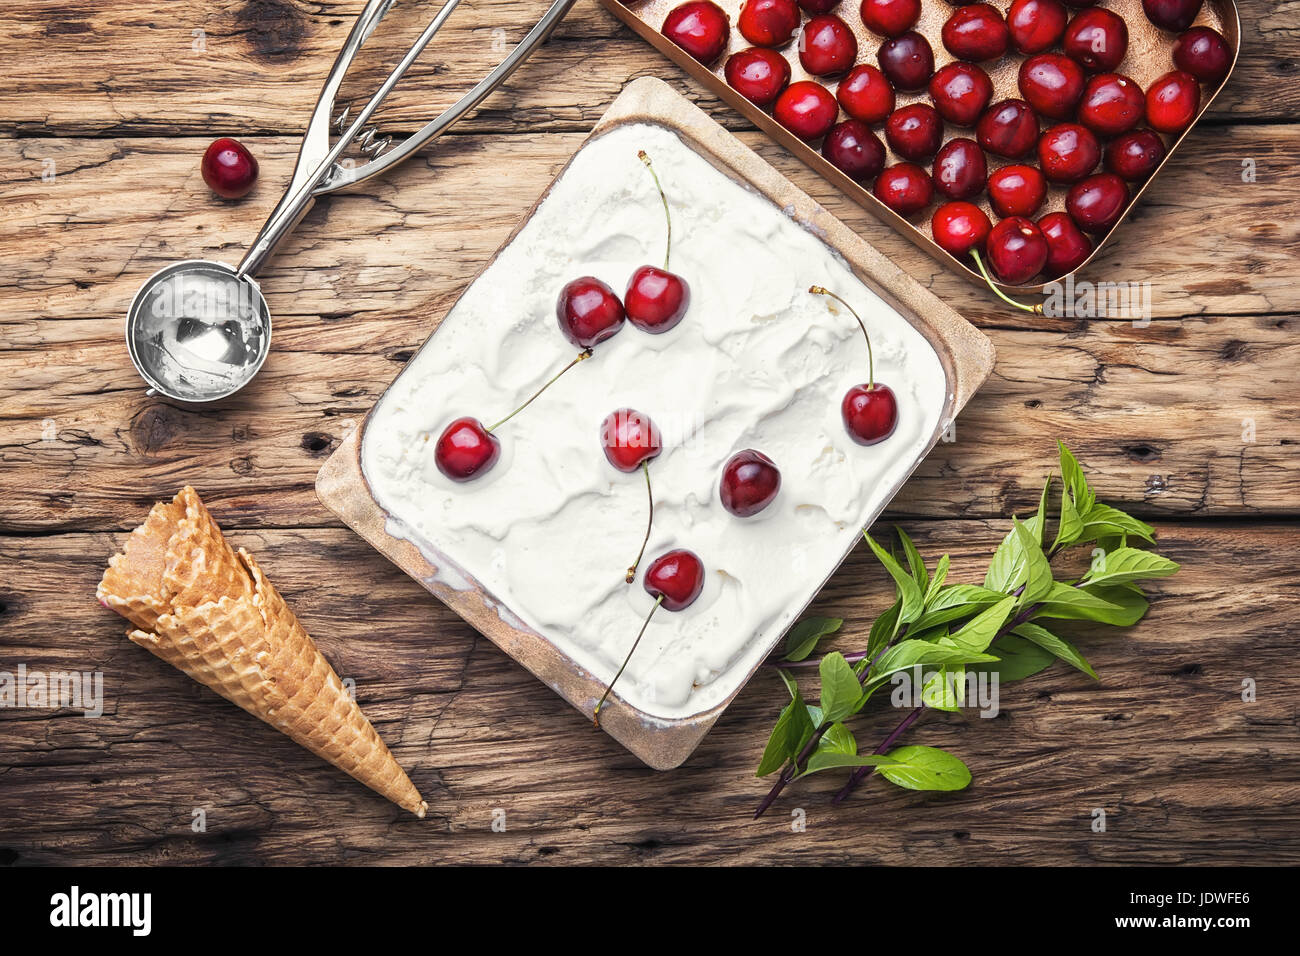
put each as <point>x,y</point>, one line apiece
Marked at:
<point>905,188</point>
<point>757,74</point>
<point>854,150</point>
<point>1097,39</point>
<point>1204,53</point>
<point>1111,104</point>
<point>961,92</point>
<point>827,47</point>
<point>915,132</point>
<point>700,28</point>
<point>1035,26</point>
<point>1172,102</point>
<point>1052,84</point>
<point>890,18</point>
<point>768,23</point>
<point>807,109</point>
<point>960,227</point>
<point>976,32</point>
<point>907,60</point>
<point>960,170</point>
<point>1008,128</point>
<point>866,94</point>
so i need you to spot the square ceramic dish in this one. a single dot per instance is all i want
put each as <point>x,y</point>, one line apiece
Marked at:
<point>963,358</point>
<point>1149,56</point>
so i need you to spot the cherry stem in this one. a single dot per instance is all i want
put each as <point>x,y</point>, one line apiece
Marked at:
<point>641,633</point>
<point>631,572</point>
<point>871,361</point>
<point>1035,309</point>
<point>668,246</point>
<point>584,354</point>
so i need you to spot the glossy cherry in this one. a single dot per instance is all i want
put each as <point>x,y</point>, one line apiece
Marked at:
<point>466,449</point>
<point>1068,152</point>
<point>758,75</point>
<point>750,482</point>
<point>1204,53</point>
<point>768,22</point>
<point>1017,190</point>
<point>869,411</point>
<point>961,92</point>
<point>656,299</point>
<point>1067,247</point>
<point>1172,102</point>
<point>890,18</point>
<point>1008,128</point>
<point>588,312</point>
<point>854,150</point>
<point>1135,155</point>
<point>629,439</point>
<point>915,132</point>
<point>976,32</point>
<point>1017,250</point>
<point>959,227</point>
<point>827,47</point>
<point>228,168</point>
<point>1036,25</point>
<point>865,94</point>
<point>1051,84</point>
<point>1111,104</point>
<point>905,188</point>
<point>807,109</point>
<point>1174,15</point>
<point>1097,39</point>
<point>907,60</point>
<point>960,169</point>
<point>698,27</point>
<point>1096,203</point>
<point>816,7</point>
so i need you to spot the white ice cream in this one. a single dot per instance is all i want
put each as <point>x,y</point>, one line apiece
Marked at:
<point>757,362</point>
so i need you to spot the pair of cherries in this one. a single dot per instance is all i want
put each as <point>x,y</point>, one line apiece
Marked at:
<point>588,312</point>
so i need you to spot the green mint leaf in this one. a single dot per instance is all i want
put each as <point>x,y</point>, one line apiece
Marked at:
<point>909,592</point>
<point>910,653</point>
<point>1057,646</point>
<point>804,636</point>
<point>840,687</point>
<point>957,601</point>
<point>1038,523</point>
<point>788,680</point>
<point>882,631</point>
<point>1118,606</point>
<point>925,768</point>
<point>919,574</point>
<point>838,739</point>
<point>946,689</point>
<point>936,582</point>
<point>1017,659</point>
<point>1037,573</point>
<point>1105,521</point>
<point>1006,564</point>
<point>1071,526</point>
<point>829,760</point>
<point>1128,564</point>
<point>978,633</point>
<point>1076,485</point>
<point>787,737</point>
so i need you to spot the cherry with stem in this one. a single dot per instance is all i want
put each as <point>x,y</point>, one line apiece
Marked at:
<point>656,299</point>
<point>630,440</point>
<point>1036,308</point>
<point>870,411</point>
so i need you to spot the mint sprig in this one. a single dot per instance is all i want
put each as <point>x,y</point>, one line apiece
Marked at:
<point>997,625</point>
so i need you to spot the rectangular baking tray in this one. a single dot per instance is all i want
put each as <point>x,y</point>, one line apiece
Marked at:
<point>965,354</point>
<point>1149,56</point>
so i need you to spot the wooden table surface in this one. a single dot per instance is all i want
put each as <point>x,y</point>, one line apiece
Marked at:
<point>1191,421</point>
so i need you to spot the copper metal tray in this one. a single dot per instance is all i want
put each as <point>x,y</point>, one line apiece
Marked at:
<point>1149,56</point>
<point>965,354</point>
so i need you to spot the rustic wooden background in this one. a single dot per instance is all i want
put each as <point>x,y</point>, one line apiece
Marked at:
<point>105,110</point>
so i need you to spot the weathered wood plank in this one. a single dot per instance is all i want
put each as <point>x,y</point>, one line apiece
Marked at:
<point>1186,771</point>
<point>114,67</point>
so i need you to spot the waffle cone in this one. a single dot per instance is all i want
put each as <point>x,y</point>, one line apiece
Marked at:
<point>212,614</point>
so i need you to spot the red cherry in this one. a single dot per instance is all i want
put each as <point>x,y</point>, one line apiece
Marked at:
<point>229,168</point>
<point>1097,39</point>
<point>698,27</point>
<point>1173,15</point>
<point>758,75</point>
<point>589,312</point>
<point>915,132</point>
<point>827,46</point>
<point>1204,53</point>
<point>1036,25</point>
<point>466,450</point>
<point>1067,247</point>
<point>976,32</point>
<point>750,481</point>
<point>1080,3</point>
<point>807,109</point>
<point>1096,203</point>
<point>890,17</point>
<point>1052,84</point>
<point>1135,156</point>
<point>1017,191</point>
<point>1112,104</point>
<point>870,413</point>
<point>768,22</point>
<point>1067,153</point>
<point>1172,102</point>
<point>904,188</point>
<point>854,149</point>
<point>960,170</point>
<point>959,227</point>
<point>629,437</point>
<point>656,299</point>
<point>907,60</point>
<point>677,577</point>
<point>865,94</point>
<point>961,92</point>
<point>1017,250</point>
<point>1008,128</point>
<point>816,7</point>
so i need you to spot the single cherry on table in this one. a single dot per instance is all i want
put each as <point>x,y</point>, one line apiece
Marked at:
<point>976,32</point>
<point>700,28</point>
<point>1008,128</point>
<point>1036,25</point>
<point>1068,152</point>
<point>630,441</point>
<point>961,92</point>
<point>865,94</point>
<point>890,18</point>
<point>869,411</point>
<point>656,299</point>
<point>854,150</point>
<point>750,482</point>
<point>960,169</point>
<point>768,22</point>
<point>807,109</point>
<point>1096,203</point>
<point>915,132</point>
<point>1111,104</point>
<point>228,168</point>
<point>827,47</point>
<point>1017,190</point>
<point>1097,39</point>
<point>1135,155</point>
<point>907,60</point>
<point>959,227</point>
<point>1172,102</point>
<point>1052,84</point>
<point>905,188</point>
<point>758,74</point>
